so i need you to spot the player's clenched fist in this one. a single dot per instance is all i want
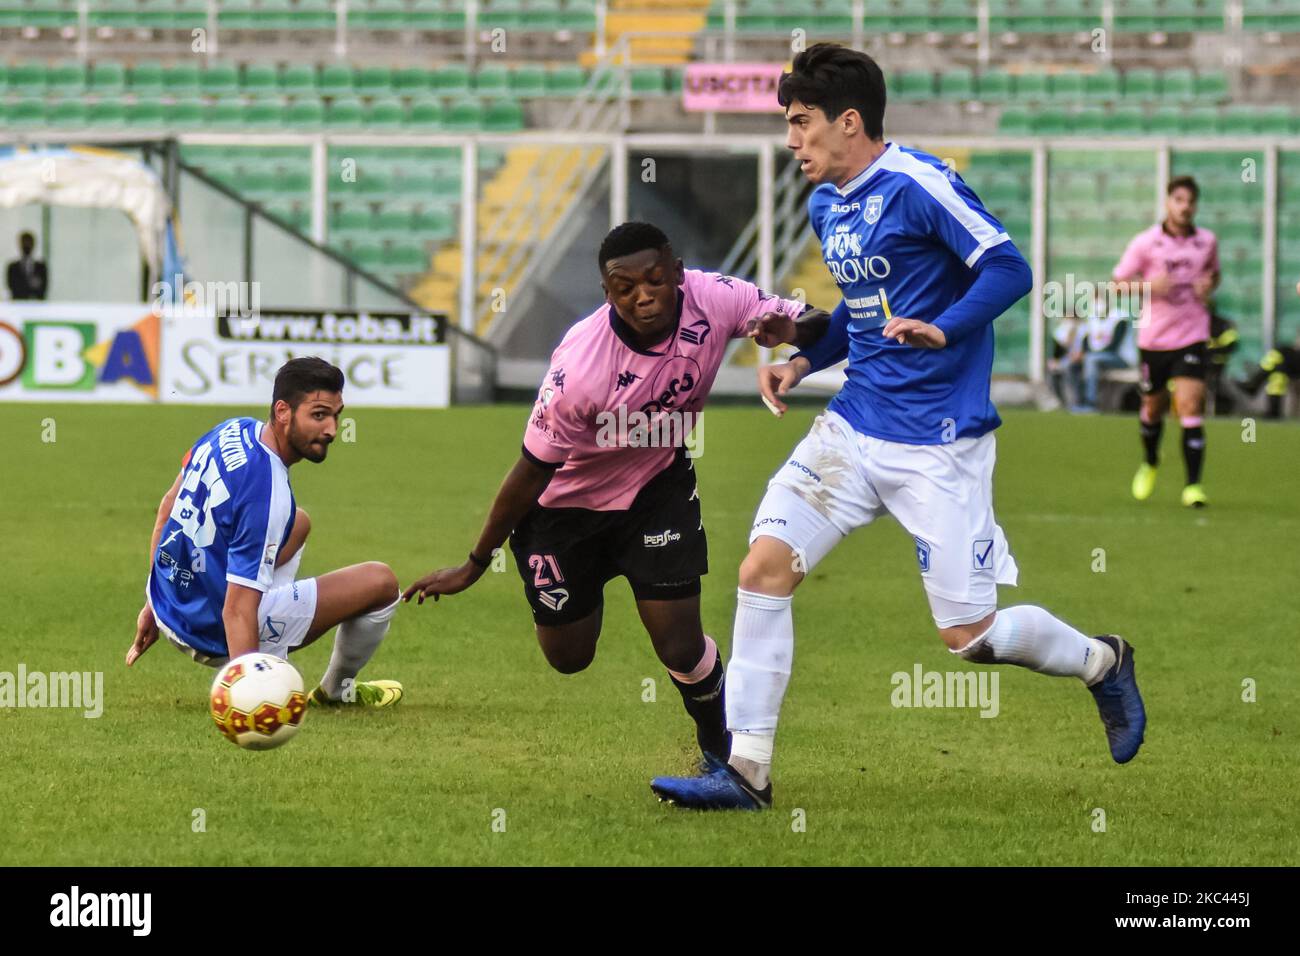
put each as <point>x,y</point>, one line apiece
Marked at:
<point>772,329</point>
<point>775,381</point>
<point>915,332</point>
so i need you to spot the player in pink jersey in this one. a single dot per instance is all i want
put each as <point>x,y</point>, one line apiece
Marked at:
<point>1181,263</point>
<point>605,485</point>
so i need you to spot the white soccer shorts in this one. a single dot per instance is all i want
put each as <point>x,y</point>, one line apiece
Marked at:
<point>284,617</point>
<point>837,480</point>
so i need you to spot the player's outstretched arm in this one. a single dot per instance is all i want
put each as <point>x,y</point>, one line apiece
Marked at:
<point>517,495</point>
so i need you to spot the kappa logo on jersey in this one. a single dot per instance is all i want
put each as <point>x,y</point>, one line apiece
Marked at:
<point>872,213</point>
<point>554,598</point>
<point>625,379</point>
<point>922,553</point>
<point>557,379</point>
<point>695,333</point>
<point>662,539</point>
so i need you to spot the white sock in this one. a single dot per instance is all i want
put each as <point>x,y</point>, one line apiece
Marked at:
<point>762,650</point>
<point>1031,637</point>
<point>355,643</point>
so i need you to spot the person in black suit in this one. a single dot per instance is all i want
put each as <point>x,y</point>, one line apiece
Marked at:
<point>27,276</point>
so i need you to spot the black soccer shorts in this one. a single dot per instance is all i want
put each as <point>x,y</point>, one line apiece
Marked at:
<point>1157,368</point>
<point>566,555</point>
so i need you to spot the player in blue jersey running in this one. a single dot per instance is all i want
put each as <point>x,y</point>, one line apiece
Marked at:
<point>924,269</point>
<point>229,538</point>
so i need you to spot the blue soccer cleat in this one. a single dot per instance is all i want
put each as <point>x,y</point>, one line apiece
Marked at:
<point>1120,702</point>
<point>719,787</point>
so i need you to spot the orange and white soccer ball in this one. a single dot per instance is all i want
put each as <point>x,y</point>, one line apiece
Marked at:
<point>258,701</point>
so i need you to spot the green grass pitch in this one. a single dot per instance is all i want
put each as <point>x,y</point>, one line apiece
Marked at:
<point>1208,598</point>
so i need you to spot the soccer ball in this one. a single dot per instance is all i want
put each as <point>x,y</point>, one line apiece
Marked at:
<point>258,701</point>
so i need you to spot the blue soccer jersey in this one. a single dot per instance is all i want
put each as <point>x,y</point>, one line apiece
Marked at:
<point>908,238</point>
<point>232,514</point>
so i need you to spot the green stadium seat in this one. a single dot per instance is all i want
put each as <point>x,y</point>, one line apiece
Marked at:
<point>379,15</point>
<point>335,79</point>
<point>503,116</point>
<point>528,81</point>
<point>305,114</point>
<point>67,78</point>
<point>491,80</point>
<point>344,112</point>
<point>648,82</point>
<point>185,114</point>
<point>954,16</point>
<point>1203,121</point>
<point>1031,87</point>
<point>386,113</point>
<point>1212,86</point>
<point>1137,16</point>
<point>411,81</point>
<point>450,79</point>
<point>105,113</point>
<point>995,86</point>
<point>298,79</point>
<point>914,85</point>
<point>226,113</point>
<point>1178,85</point>
<point>1274,120</point>
<point>1166,121</point>
<point>314,15</point>
<point>1140,84</point>
<point>407,257</point>
<point>542,16</point>
<point>1067,87</point>
<point>220,78</point>
<point>1051,121</point>
<point>578,16</point>
<point>425,116</point>
<point>464,117</point>
<point>146,114</point>
<point>67,113</point>
<point>1090,121</point>
<point>1015,121</point>
<point>236,15</point>
<point>1127,121</point>
<point>146,79</point>
<point>27,113</point>
<point>565,81</point>
<point>911,16</point>
<point>27,78</point>
<point>957,85</point>
<point>1101,86</point>
<point>434,223</point>
<point>182,79</point>
<point>1237,121</point>
<point>265,115</point>
<point>108,78</point>
<point>260,79</point>
<point>373,81</point>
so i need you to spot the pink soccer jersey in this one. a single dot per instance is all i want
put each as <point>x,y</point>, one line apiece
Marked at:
<point>1179,318</point>
<point>600,388</point>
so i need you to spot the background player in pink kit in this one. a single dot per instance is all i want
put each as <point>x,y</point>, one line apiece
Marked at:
<point>1181,263</point>
<point>594,496</point>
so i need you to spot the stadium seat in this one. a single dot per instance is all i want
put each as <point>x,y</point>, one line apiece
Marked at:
<point>108,78</point>
<point>1178,85</point>
<point>1015,121</point>
<point>67,78</point>
<point>335,79</point>
<point>1101,86</point>
<point>1067,87</point>
<point>1140,84</point>
<point>995,86</point>
<point>503,116</point>
<point>146,114</point>
<point>450,79</point>
<point>565,81</point>
<point>491,81</point>
<point>957,85</point>
<point>386,113</point>
<point>259,79</point>
<point>373,81</point>
<point>344,112</point>
<point>107,113</point>
<point>914,85</point>
<point>305,114</point>
<point>184,114</point>
<point>464,117</point>
<point>265,115</point>
<point>298,79</point>
<point>1031,87</point>
<point>67,114</point>
<point>648,82</point>
<point>411,81</point>
<point>528,81</point>
<point>1212,85</point>
<point>425,116</point>
<point>146,79</point>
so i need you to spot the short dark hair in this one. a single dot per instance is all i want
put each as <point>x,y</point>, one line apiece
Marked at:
<point>629,237</point>
<point>834,78</point>
<point>299,377</point>
<point>1184,182</point>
